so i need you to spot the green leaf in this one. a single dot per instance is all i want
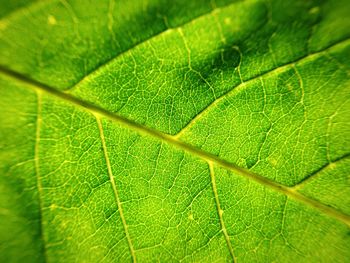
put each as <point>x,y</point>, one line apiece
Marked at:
<point>192,131</point>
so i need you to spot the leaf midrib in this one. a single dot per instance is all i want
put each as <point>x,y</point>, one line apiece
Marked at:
<point>209,157</point>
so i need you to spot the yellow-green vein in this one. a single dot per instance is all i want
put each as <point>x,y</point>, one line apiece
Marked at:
<point>35,85</point>
<point>115,190</point>
<point>220,211</point>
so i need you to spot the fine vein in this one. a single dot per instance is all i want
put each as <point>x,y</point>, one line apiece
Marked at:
<point>37,172</point>
<point>179,28</point>
<point>115,190</point>
<point>220,211</point>
<point>122,52</point>
<point>36,85</point>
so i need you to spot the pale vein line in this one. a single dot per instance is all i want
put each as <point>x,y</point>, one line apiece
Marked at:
<point>316,173</point>
<point>246,82</point>
<point>220,211</point>
<point>111,22</point>
<point>37,171</point>
<point>115,190</point>
<point>38,86</point>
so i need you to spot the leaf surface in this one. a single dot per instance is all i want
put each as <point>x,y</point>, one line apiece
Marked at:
<point>168,131</point>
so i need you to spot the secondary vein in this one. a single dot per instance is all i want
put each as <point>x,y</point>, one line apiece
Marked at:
<point>220,211</point>
<point>319,171</point>
<point>247,81</point>
<point>37,172</point>
<point>114,186</point>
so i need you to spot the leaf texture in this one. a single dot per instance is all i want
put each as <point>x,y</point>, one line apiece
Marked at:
<point>174,131</point>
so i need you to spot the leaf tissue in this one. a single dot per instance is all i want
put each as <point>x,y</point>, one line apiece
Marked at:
<point>174,131</point>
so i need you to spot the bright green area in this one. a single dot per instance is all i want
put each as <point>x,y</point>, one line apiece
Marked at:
<point>260,84</point>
